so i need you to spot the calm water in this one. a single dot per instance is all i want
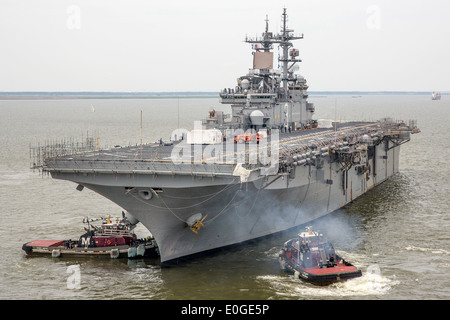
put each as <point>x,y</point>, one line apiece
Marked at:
<point>398,234</point>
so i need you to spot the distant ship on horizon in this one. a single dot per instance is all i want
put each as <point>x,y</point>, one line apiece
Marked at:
<point>436,96</point>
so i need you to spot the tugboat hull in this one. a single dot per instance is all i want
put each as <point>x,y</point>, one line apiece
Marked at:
<point>341,271</point>
<point>315,265</point>
<point>59,248</point>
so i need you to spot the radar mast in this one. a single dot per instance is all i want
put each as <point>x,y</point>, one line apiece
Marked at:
<point>284,40</point>
<point>268,97</point>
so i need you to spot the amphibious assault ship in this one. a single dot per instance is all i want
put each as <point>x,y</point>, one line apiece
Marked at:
<point>266,167</point>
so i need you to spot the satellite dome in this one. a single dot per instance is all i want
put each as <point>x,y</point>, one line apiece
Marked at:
<point>245,84</point>
<point>257,117</point>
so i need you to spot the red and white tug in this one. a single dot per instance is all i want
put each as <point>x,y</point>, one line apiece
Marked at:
<point>311,257</point>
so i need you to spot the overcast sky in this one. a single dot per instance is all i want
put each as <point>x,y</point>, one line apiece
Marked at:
<point>143,45</point>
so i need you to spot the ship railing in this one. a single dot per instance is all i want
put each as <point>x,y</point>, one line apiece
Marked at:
<point>327,139</point>
<point>60,148</point>
<point>106,232</point>
<point>391,127</point>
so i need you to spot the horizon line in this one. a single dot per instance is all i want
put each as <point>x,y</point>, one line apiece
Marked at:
<point>200,92</point>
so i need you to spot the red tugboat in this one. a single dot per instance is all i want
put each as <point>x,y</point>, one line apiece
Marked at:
<point>312,257</point>
<point>110,239</point>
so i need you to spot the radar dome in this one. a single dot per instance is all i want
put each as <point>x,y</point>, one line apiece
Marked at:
<point>245,84</point>
<point>257,117</point>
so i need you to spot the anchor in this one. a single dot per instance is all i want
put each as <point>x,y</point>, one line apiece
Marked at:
<point>195,222</point>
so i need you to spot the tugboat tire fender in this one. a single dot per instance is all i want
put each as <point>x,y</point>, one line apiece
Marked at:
<point>56,253</point>
<point>27,249</point>
<point>114,253</point>
<point>140,251</point>
<point>131,252</point>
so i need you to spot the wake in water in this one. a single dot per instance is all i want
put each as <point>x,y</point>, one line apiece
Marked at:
<point>427,250</point>
<point>371,283</point>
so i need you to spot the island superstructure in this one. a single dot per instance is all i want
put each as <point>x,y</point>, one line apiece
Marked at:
<point>264,168</point>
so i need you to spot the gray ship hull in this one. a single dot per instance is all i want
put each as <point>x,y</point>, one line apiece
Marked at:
<point>234,212</point>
